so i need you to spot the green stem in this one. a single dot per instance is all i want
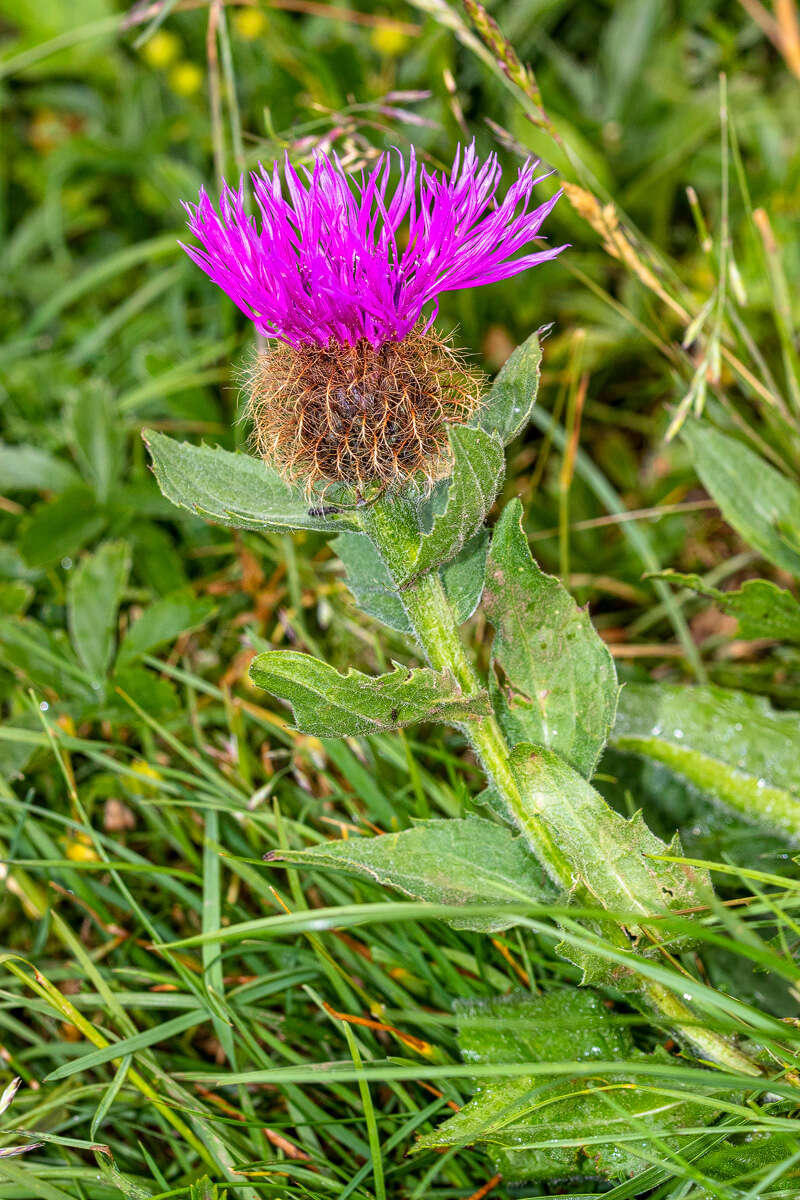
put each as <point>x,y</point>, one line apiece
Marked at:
<point>433,623</point>
<point>393,529</point>
<point>710,1045</point>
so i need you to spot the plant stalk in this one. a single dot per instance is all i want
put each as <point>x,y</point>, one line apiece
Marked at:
<point>393,529</point>
<point>433,623</point>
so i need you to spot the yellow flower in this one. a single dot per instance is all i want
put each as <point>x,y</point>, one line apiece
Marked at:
<point>66,722</point>
<point>162,49</point>
<point>250,23</point>
<point>186,78</point>
<point>80,849</point>
<point>389,41</point>
<point>148,781</point>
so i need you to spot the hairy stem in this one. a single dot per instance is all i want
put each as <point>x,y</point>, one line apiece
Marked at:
<point>393,529</point>
<point>433,623</point>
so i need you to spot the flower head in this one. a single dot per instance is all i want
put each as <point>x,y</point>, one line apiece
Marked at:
<point>360,414</point>
<point>346,273</point>
<point>335,258</point>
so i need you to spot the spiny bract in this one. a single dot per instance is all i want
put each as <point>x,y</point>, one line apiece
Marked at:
<point>353,414</point>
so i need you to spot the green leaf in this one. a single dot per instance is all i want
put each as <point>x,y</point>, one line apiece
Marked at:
<point>156,559</point>
<point>142,497</point>
<point>93,598</point>
<point>762,609</point>
<point>163,621</point>
<point>553,680</point>
<point>43,656</point>
<point>733,746</point>
<point>26,468</point>
<point>471,861</point>
<point>15,596</point>
<point>463,577</point>
<point>625,50</point>
<point>369,581</point>
<point>60,528</point>
<point>151,692</point>
<point>541,1128</point>
<point>506,409</point>
<point>16,754</point>
<point>98,438</point>
<point>762,505</point>
<point>132,1044</point>
<point>746,1154</point>
<point>232,489</point>
<point>478,466</point>
<point>13,565</point>
<point>611,857</point>
<point>562,1025</point>
<point>204,1189</point>
<point>417,533</point>
<point>373,591</point>
<point>329,704</point>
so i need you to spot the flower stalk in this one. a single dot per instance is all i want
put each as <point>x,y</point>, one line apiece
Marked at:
<point>390,525</point>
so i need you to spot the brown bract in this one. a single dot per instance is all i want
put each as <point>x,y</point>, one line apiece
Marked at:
<point>360,415</point>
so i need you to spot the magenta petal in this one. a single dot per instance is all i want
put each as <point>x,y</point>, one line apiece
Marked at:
<point>330,256</point>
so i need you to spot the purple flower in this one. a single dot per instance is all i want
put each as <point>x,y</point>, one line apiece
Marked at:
<point>334,257</point>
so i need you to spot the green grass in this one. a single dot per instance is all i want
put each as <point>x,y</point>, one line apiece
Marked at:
<point>135,815</point>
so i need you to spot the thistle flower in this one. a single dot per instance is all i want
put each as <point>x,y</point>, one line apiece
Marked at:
<point>341,271</point>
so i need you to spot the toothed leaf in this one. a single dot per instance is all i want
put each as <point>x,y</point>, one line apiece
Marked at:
<point>471,861</point>
<point>613,860</point>
<point>545,1127</point>
<point>478,468</point>
<point>553,680</point>
<point>373,591</point>
<point>609,854</point>
<point>329,704</point>
<point>735,747</point>
<point>233,489</point>
<point>762,609</point>
<point>506,409</point>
